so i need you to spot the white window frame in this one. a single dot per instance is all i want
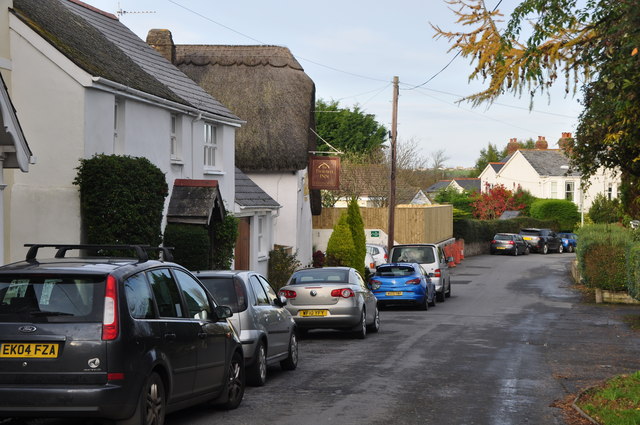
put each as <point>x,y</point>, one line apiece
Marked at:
<point>260,225</point>
<point>569,190</point>
<point>174,130</point>
<point>553,190</point>
<point>211,147</point>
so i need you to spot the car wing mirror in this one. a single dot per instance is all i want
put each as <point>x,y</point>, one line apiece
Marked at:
<point>280,301</point>
<point>223,312</point>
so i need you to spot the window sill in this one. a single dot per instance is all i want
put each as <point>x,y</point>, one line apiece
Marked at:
<point>177,162</point>
<point>213,172</point>
<point>263,257</point>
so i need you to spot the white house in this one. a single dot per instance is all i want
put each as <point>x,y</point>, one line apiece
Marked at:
<point>546,174</point>
<point>85,84</point>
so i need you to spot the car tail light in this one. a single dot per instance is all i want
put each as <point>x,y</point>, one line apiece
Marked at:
<point>437,273</point>
<point>375,284</point>
<point>115,376</point>
<point>288,294</point>
<point>511,243</point>
<point>413,282</point>
<point>110,317</point>
<point>494,241</point>
<point>372,265</point>
<point>386,257</point>
<point>344,293</point>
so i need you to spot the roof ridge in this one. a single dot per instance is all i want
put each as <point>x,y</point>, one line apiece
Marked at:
<point>95,9</point>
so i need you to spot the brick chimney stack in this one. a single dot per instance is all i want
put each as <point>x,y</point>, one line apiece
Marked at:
<point>162,41</point>
<point>512,146</point>
<point>542,143</point>
<point>566,143</point>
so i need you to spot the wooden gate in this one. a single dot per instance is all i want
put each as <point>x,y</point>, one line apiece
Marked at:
<point>243,244</point>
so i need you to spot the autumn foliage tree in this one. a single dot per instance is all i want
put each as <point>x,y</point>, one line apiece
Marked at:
<point>491,204</point>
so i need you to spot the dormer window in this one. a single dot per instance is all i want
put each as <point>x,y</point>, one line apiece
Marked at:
<point>211,148</point>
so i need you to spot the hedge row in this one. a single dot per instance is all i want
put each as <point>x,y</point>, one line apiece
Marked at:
<point>609,258</point>
<point>483,230</point>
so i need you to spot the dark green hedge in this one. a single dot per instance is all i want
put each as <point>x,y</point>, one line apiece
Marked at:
<point>602,256</point>
<point>633,270</point>
<point>565,212</point>
<point>191,245</point>
<point>121,200</point>
<point>483,230</point>
<point>225,234</point>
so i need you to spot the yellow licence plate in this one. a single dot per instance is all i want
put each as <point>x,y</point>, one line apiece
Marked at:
<point>310,313</point>
<point>499,247</point>
<point>39,351</point>
<point>526,238</point>
<point>389,294</point>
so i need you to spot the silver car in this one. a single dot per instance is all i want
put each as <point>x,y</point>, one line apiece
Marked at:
<point>267,330</point>
<point>331,298</point>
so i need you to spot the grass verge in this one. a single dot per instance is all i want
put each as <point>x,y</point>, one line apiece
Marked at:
<point>616,402</point>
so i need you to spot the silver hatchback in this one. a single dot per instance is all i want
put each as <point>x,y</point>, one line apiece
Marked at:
<point>267,330</point>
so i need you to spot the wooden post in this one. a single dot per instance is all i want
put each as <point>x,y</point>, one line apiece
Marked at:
<point>392,185</point>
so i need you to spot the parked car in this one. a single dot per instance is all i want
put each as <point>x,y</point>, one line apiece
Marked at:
<point>431,257</point>
<point>378,252</point>
<point>267,330</point>
<point>331,298</point>
<point>569,241</point>
<point>369,263</point>
<point>542,240</point>
<point>508,243</point>
<point>403,283</point>
<point>117,339</point>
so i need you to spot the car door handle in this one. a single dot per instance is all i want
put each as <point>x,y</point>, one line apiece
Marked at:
<point>170,337</point>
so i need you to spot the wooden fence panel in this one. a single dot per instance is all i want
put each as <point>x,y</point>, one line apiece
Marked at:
<point>413,224</point>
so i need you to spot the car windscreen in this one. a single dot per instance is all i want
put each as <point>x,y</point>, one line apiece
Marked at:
<point>304,277</point>
<point>503,237</point>
<point>226,291</point>
<point>413,254</point>
<point>530,232</point>
<point>51,298</point>
<point>395,271</point>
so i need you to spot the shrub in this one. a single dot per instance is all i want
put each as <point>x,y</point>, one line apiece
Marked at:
<point>281,267</point>
<point>224,238</point>
<point>356,225</point>
<point>605,210</point>
<point>318,259</point>
<point>340,247</point>
<point>121,200</point>
<point>633,270</point>
<point>191,245</point>
<point>565,212</point>
<point>473,231</point>
<point>601,255</point>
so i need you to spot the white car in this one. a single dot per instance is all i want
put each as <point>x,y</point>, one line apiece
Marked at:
<point>378,252</point>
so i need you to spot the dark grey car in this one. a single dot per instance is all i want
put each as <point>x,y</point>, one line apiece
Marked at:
<point>267,330</point>
<point>120,339</point>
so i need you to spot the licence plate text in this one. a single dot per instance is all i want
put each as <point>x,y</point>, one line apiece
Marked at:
<point>390,294</point>
<point>29,350</point>
<point>310,313</point>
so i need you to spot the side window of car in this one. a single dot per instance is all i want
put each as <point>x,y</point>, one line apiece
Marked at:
<point>360,281</point>
<point>271,294</point>
<point>261,296</point>
<point>166,293</point>
<point>139,298</point>
<point>194,295</point>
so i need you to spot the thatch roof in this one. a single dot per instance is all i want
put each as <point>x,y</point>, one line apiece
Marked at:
<point>267,87</point>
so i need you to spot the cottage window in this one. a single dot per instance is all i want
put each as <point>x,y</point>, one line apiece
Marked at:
<point>568,193</point>
<point>118,126</point>
<point>174,137</point>
<point>610,191</point>
<point>260,234</point>
<point>211,150</point>
<point>554,190</point>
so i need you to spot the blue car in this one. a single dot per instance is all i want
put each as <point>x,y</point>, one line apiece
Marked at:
<point>569,241</point>
<point>403,283</point>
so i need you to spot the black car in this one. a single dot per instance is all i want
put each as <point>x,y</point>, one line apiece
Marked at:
<point>542,240</point>
<point>508,243</point>
<point>120,339</point>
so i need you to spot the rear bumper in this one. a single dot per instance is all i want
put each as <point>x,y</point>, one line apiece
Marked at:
<point>337,317</point>
<point>407,297</point>
<point>106,401</point>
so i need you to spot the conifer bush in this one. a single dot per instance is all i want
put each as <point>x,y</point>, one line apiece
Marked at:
<point>341,250</point>
<point>356,225</point>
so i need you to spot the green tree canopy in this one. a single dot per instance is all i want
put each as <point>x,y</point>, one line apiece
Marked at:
<point>593,44</point>
<point>349,130</point>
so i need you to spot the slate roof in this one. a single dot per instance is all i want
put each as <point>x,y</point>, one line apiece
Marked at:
<point>548,162</point>
<point>438,186</point>
<point>250,195</point>
<point>101,45</point>
<point>469,183</point>
<point>194,201</point>
<point>497,166</point>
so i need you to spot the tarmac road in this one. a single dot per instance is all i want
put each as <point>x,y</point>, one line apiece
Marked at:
<point>513,338</point>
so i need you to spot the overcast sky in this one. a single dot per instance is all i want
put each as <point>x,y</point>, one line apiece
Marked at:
<point>352,49</point>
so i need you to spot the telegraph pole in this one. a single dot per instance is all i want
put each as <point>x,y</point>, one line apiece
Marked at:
<point>392,185</point>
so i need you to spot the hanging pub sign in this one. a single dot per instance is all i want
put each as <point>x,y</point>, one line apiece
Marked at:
<point>324,172</point>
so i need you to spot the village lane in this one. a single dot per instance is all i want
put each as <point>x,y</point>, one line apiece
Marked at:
<point>513,339</point>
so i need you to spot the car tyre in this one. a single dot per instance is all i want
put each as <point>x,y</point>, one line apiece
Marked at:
<point>291,362</point>
<point>361,329</point>
<point>440,295</point>
<point>448,293</point>
<point>257,372</point>
<point>151,408</point>
<point>560,249</point>
<point>424,305</point>
<point>527,250</point>
<point>570,249</point>
<point>515,251</point>
<point>545,249</point>
<point>375,326</point>
<point>234,387</point>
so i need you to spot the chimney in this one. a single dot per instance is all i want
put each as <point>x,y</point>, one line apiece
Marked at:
<point>566,143</point>
<point>541,143</point>
<point>512,146</point>
<point>162,41</point>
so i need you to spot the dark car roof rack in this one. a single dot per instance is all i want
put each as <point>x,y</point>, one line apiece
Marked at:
<point>142,251</point>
